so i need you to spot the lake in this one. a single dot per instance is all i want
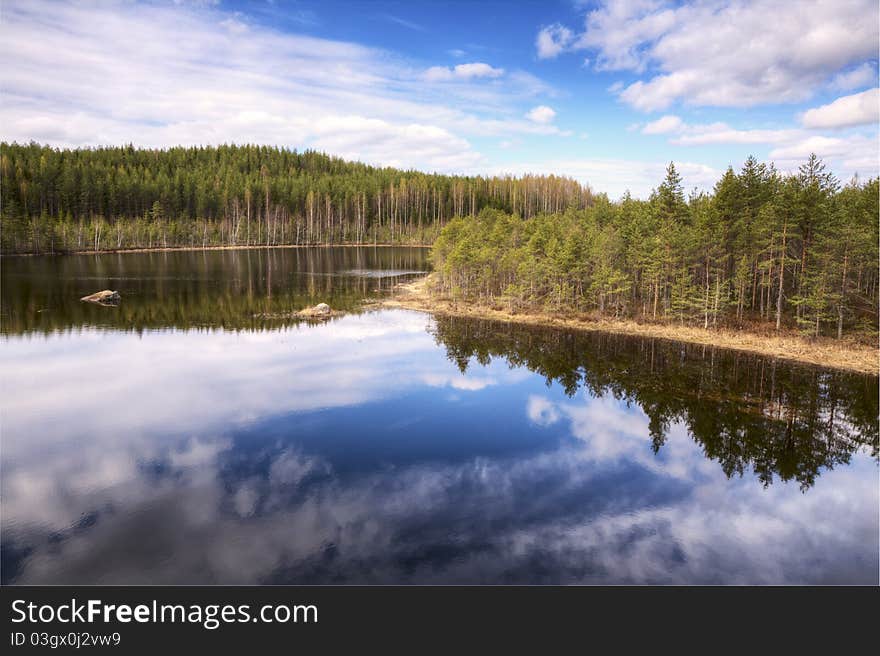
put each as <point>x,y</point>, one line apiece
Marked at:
<point>197,433</point>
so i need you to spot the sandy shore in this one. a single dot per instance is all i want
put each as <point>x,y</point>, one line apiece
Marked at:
<point>826,352</point>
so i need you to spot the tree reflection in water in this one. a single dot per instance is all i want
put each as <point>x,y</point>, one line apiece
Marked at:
<point>747,412</point>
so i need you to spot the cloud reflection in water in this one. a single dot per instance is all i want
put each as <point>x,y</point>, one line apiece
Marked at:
<point>332,453</point>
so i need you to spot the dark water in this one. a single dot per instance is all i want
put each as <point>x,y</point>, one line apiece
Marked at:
<point>237,289</point>
<point>181,438</point>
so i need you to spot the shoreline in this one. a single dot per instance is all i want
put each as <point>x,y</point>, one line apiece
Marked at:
<point>163,249</point>
<point>825,352</point>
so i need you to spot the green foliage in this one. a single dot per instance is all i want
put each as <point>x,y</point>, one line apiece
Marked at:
<point>759,245</point>
<point>794,251</point>
<point>61,200</point>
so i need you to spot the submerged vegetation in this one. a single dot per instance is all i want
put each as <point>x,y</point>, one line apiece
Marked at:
<point>58,200</point>
<point>762,251</point>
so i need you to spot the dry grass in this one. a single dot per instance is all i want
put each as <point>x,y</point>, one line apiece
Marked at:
<point>849,355</point>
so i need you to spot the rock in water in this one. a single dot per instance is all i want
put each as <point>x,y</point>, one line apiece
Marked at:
<point>105,297</point>
<point>319,311</point>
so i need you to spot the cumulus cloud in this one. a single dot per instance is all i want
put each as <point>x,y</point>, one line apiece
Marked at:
<point>848,148</point>
<point>194,478</point>
<point>458,381</point>
<point>541,114</point>
<point>861,76</point>
<point>462,72</point>
<point>613,176</point>
<point>727,52</point>
<point>541,411</point>
<point>353,342</point>
<point>609,511</point>
<point>375,140</point>
<point>663,125</point>
<point>721,133</point>
<point>848,155</point>
<point>858,109</point>
<point>159,75</point>
<point>552,40</point>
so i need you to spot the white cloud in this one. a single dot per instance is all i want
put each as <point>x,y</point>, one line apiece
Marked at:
<point>99,464</point>
<point>375,140</point>
<point>728,52</point>
<point>618,31</point>
<point>851,154</point>
<point>848,155</point>
<point>463,72</point>
<point>721,133</point>
<point>234,25</point>
<point>664,125</point>
<point>552,40</point>
<point>858,109</point>
<point>613,176</point>
<point>541,114</point>
<point>861,76</point>
<point>353,342</point>
<point>458,381</point>
<point>541,411</point>
<point>817,144</point>
<point>159,75</point>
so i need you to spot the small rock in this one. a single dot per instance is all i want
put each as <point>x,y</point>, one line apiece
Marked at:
<point>105,297</point>
<point>321,310</point>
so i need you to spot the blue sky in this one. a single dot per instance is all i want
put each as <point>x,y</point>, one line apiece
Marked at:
<point>607,93</point>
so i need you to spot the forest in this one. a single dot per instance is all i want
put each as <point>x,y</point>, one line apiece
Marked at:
<point>763,250</point>
<point>57,200</point>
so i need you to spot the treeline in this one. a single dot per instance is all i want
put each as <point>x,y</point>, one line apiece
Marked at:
<point>774,250</point>
<point>115,198</point>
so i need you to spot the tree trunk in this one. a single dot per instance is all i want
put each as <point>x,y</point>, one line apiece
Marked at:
<point>706,302</point>
<point>842,295</point>
<point>781,279</point>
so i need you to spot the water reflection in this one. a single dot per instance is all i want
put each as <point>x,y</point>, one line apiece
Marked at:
<point>357,451</point>
<point>250,289</point>
<point>746,411</point>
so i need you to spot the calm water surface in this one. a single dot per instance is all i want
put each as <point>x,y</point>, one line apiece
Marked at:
<point>197,434</point>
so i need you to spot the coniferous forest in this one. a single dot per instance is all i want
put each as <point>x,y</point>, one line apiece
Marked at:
<point>762,248</point>
<point>118,198</point>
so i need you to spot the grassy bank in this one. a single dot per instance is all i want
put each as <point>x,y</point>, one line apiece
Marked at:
<point>826,352</point>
